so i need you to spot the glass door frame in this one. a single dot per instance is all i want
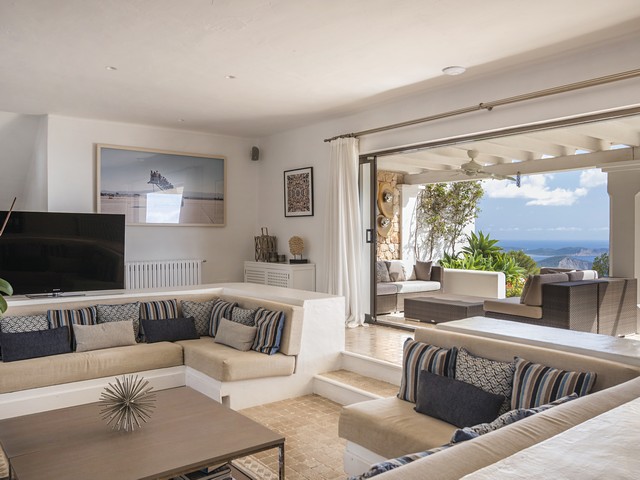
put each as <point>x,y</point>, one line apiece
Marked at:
<point>370,232</point>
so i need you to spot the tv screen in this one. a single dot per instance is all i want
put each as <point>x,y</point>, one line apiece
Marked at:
<point>46,252</point>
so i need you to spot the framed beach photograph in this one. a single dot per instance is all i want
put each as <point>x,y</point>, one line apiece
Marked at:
<point>159,187</point>
<point>298,192</point>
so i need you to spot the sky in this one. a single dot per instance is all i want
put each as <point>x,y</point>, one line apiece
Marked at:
<point>558,206</point>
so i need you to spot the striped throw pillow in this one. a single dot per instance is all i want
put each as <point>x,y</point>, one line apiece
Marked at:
<point>269,334</point>
<point>535,384</point>
<point>68,318</point>
<point>160,309</point>
<point>419,356</point>
<point>220,309</point>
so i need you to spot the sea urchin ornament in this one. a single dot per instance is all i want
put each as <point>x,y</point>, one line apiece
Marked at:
<point>127,403</point>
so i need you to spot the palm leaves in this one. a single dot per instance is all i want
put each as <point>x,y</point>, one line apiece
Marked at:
<point>5,288</point>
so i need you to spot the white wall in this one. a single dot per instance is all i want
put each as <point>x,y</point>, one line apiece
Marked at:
<point>23,161</point>
<point>72,188</point>
<point>304,146</point>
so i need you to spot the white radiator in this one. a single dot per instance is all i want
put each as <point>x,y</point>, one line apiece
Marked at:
<point>163,273</point>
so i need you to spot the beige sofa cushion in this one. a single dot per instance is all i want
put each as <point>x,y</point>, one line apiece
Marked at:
<point>390,427</point>
<point>415,286</point>
<point>104,335</point>
<point>534,291</point>
<point>227,364</point>
<point>77,366</point>
<point>512,306</point>
<point>460,460</point>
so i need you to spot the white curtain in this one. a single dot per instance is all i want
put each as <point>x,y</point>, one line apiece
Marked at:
<point>343,233</point>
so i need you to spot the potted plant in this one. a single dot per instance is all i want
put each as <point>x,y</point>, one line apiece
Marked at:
<point>5,287</point>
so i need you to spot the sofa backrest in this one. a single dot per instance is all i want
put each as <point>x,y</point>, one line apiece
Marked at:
<point>608,373</point>
<point>291,333</point>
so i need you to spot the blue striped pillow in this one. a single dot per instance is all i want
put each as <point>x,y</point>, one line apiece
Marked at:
<point>68,318</point>
<point>419,356</point>
<point>535,384</point>
<point>220,309</point>
<point>269,334</point>
<point>160,309</point>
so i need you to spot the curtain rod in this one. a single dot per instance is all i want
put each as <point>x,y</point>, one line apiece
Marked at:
<point>498,103</point>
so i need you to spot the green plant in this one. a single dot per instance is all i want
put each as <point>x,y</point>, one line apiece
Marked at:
<point>601,265</point>
<point>525,261</point>
<point>481,244</point>
<point>5,287</point>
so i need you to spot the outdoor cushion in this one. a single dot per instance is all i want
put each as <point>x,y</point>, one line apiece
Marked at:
<point>582,275</point>
<point>423,270</point>
<point>534,293</point>
<point>386,289</point>
<point>396,271</point>
<point>415,286</point>
<point>512,306</point>
<point>382,272</point>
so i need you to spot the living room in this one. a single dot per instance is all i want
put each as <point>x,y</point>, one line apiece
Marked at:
<point>49,140</point>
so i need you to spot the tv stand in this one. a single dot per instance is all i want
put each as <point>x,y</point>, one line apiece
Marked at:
<point>55,295</point>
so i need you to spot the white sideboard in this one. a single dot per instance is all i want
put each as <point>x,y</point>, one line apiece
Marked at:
<point>301,276</point>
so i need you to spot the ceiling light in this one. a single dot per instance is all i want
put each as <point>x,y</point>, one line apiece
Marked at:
<point>454,70</point>
<point>230,77</point>
<point>109,67</point>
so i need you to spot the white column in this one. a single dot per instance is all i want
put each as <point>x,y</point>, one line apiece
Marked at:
<point>408,198</point>
<point>623,186</point>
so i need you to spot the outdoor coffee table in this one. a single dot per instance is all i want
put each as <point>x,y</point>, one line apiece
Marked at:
<point>187,431</point>
<point>443,307</point>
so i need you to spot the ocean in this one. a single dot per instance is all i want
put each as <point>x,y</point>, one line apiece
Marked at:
<point>529,245</point>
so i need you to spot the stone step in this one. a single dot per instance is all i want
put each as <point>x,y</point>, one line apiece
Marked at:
<point>371,367</point>
<point>346,387</point>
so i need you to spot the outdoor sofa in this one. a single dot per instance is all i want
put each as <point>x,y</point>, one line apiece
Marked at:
<point>397,280</point>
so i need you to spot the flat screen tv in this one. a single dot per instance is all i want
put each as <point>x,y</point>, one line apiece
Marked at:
<point>55,253</point>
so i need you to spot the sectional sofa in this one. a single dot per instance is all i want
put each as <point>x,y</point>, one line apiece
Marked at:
<point>383,429</point>
<point>311,339</point>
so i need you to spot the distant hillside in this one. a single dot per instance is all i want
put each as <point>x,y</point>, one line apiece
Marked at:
<point>568,251</point>
<point>565,262</point>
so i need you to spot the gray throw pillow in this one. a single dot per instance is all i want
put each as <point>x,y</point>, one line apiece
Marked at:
<point>396,271</point>
<point>382,272</point>
<point>245,316</point>
<point>104,335</point>
<point>423,270</point>
<point>490,375</point>
<point>455,402</point>
<point>201,313</point>
<point>235,335</point>
<point>120,313</point>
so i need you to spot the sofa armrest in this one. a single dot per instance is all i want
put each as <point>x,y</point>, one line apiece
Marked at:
<point>437,275</point>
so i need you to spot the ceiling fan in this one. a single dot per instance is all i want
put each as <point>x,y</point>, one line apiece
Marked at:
<point>475,170</point>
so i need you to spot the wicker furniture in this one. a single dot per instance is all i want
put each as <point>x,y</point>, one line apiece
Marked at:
<point>390,296</point>
<point>606,306</point>
<point>443,308</point>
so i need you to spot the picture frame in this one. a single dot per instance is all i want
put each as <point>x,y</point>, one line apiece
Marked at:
<point>161,187</point>
<point>298,192</point>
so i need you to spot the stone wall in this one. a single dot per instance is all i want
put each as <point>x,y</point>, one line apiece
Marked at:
<point>389,247</point>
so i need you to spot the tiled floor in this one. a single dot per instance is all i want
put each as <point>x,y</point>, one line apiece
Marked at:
<point>310,423</point>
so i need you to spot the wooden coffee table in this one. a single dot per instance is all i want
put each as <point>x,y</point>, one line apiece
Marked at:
<point>187,431</point>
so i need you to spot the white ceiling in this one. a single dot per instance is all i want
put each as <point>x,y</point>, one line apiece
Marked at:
<point>295,61</point>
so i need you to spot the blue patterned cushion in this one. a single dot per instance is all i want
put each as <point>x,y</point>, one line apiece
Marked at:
<point>120,313</point>
<point>245,316</point>
<point>200,312</point>
<point>535,384</point>
<point>508,418</point>
<point>41,343</point>
<point>269,334</point>
<point>26,323</point>
<point>220,309</point>
<point>159,309</point>
<point>490,375</point>
<point>419,356</point>
<point>68,318</point>
<point>387,465</point>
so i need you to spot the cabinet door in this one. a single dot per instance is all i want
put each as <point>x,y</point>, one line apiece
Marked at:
<point>255,275</point>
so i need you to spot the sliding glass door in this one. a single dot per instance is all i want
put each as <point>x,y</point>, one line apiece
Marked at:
<point>368,190</point>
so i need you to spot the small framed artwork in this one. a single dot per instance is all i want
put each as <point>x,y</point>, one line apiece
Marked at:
<point>159,187</point>
<point>298,192</point>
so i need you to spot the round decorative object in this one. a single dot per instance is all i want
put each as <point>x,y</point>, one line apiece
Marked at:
<point>296,245</point>
<point>127,403</point>
<point>385,200</point>
<point>384,225</point>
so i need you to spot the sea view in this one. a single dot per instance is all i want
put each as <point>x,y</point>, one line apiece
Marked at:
<point>555,253</point>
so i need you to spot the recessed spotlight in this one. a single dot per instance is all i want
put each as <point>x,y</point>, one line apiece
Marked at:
<point>109,67</point>
<point>230,77</point>
<point>454,70</point>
